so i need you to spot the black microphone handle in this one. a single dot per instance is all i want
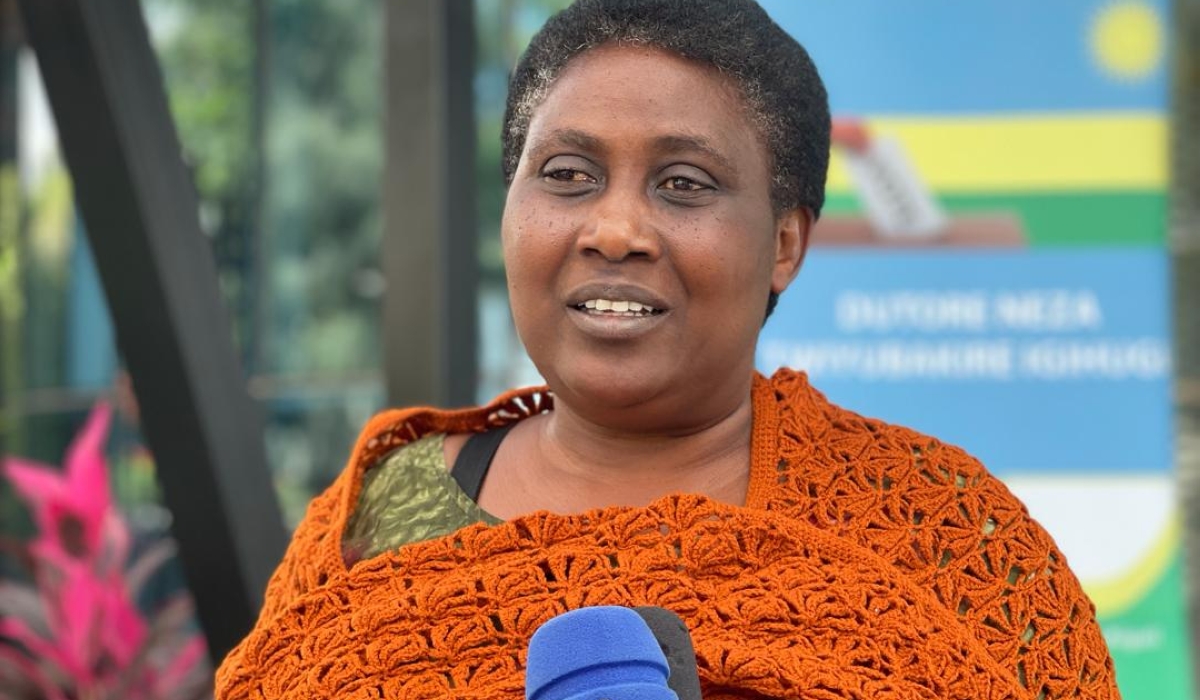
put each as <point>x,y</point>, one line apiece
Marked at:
<point>676,643</point>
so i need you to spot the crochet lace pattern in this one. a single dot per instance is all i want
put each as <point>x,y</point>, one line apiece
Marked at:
<point>869,562</point>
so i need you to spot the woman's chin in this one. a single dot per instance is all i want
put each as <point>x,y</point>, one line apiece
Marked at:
<point>610,391</point>
<point>643,393</point>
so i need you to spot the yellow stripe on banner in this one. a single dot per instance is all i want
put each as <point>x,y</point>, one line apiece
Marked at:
<point>1055,152</point>
<point>1115,595</point>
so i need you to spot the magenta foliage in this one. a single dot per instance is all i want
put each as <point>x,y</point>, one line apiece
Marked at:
<point>92,634</point>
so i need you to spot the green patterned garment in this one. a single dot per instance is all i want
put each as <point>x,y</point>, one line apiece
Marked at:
<point>409,496</point>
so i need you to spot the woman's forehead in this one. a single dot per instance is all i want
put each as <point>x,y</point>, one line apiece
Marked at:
<point>659,68</point>
<point>644,94</point>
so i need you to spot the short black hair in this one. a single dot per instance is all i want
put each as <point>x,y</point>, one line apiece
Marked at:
<point>780,85</point>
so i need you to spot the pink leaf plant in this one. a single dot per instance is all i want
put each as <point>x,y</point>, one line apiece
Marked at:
<point>89,640</point>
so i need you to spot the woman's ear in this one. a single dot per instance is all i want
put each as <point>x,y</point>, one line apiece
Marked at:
<point>792,229</point>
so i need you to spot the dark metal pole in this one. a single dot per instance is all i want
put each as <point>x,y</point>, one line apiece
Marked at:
<point>1184,242</point>
<point>429,247</point>
<point>156,266</point>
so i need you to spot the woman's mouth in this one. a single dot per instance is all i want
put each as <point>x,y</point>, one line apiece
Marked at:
<point>612,320</point>
<point>617,307</point>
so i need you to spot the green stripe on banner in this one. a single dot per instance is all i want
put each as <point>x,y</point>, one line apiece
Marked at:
<point>1149,642</point>
<point>1085,218</point>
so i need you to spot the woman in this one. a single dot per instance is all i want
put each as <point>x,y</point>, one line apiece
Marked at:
<point>666,162</point>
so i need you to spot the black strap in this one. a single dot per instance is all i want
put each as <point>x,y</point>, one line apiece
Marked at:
<point>472,464</point>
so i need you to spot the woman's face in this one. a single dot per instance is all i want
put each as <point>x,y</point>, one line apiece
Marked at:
<point>640,241</point>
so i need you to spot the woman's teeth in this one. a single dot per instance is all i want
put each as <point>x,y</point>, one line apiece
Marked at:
<point>617,308</point>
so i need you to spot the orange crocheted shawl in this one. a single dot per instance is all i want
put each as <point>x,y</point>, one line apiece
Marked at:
<point>869,562</point>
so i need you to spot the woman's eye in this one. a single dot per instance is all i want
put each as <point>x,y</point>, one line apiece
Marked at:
<point>683,184</point>
<point>568,175</point>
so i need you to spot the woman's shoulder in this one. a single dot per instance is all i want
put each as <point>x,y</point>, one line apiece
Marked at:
<point>936,513</point>
<point>927,498</point>
<point>813,427</point>
<point>394,428</point>
<point>408,497</point>
<point>398,474</point>
<point>315,553</point>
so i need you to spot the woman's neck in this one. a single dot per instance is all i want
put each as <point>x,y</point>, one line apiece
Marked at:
<point>564,463</point>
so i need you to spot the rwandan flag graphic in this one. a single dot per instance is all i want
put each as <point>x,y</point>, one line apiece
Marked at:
<point>1020,310</point>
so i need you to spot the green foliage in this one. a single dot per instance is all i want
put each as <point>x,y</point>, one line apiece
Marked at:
<point>12,305</point>
<point>325,166</point>
<point>292,247</point>
<point>45,264</point>
<point>206,51</point>
<point>321,160</point>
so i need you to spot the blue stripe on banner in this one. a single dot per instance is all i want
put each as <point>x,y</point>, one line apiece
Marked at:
<point>937,56</point>
<point>1034,361</point>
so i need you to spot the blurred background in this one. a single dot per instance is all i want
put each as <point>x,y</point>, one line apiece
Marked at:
<point>1006,147</point>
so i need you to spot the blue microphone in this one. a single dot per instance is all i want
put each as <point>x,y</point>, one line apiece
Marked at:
<point>600,653</point>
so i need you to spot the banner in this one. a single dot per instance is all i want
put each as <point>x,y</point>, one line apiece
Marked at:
<point>991,269</point>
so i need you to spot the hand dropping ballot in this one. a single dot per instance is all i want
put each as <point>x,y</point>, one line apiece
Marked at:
<point>897,202</point>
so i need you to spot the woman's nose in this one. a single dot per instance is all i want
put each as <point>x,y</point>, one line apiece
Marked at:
<point>619,230</point>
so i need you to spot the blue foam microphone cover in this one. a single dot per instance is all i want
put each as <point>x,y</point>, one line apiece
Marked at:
<point>600,653</point>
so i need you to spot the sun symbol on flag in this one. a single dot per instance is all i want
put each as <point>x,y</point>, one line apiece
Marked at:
<point>1127,39</point>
